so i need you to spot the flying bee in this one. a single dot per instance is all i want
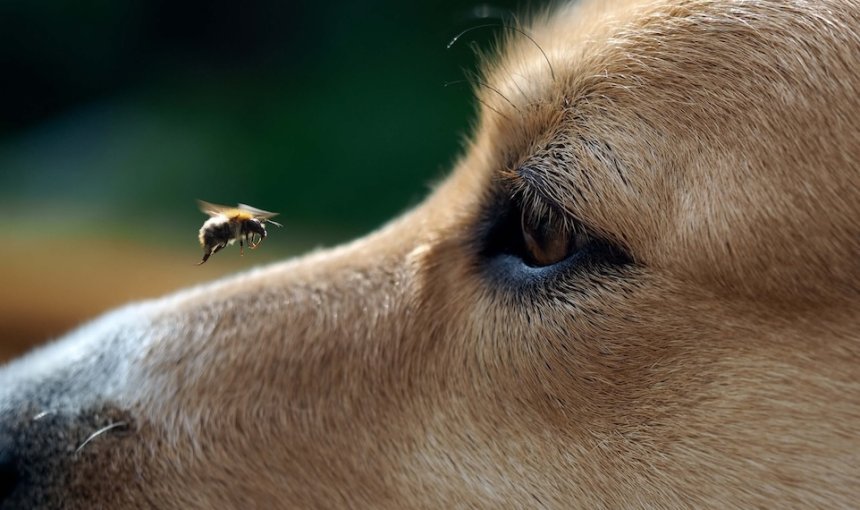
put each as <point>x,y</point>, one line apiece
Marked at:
<point>227,225</point>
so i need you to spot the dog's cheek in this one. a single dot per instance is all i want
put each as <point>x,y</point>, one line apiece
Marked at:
<point>591,351</point>
<point>559,373</point>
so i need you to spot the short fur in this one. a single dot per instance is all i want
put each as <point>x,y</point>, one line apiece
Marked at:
<point>716,141</point>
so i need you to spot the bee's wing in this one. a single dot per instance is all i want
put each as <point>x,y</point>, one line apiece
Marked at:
<point>258,213</point>
<point>213,209</point>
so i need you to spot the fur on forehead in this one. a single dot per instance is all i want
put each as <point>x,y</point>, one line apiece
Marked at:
<point>613,51</point>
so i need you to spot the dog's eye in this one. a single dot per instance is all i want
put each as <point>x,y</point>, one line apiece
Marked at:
<point>549,238</point>
<point>527,238</point>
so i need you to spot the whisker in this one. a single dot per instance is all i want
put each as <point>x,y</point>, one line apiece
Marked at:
<point>100,432</point>
<point>497,111</point>
<point>483,84</point>
<point>42,415</point>
<point>507,27</point>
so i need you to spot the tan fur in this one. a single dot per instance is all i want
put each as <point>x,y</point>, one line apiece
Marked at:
<point>716,141</point>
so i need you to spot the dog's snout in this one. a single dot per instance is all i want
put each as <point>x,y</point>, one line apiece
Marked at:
<point>44,455</point>
<point>19,458</point>
<point>9,475</point>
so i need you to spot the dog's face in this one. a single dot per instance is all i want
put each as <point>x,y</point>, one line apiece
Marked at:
<point>639,287</point>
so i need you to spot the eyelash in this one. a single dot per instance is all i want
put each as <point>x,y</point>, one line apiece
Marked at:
<point>537,208</point>
<point>518,186</point>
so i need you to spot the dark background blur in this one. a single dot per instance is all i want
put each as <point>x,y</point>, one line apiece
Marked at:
<point>116,115</point>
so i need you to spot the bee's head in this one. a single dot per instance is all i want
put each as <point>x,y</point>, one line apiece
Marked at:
<point>255,226</point>
<point>253,231</point>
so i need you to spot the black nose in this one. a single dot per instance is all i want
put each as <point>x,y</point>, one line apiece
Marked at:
<point>8,473</point>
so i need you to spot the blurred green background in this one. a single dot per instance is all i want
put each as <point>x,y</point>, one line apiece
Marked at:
<point>116,116</point>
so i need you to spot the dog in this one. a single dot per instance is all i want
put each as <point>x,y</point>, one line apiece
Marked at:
<point>639,287</point>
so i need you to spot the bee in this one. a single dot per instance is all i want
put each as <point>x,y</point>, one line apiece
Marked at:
<point>227,225</point>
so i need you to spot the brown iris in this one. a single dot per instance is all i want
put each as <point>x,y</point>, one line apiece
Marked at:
<point>550,238</point>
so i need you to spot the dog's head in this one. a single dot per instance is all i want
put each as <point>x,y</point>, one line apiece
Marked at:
<point>638,287</point>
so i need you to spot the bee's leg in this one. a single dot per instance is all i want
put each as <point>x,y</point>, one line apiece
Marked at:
<point>209,250</point>
<point>241,248</point>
